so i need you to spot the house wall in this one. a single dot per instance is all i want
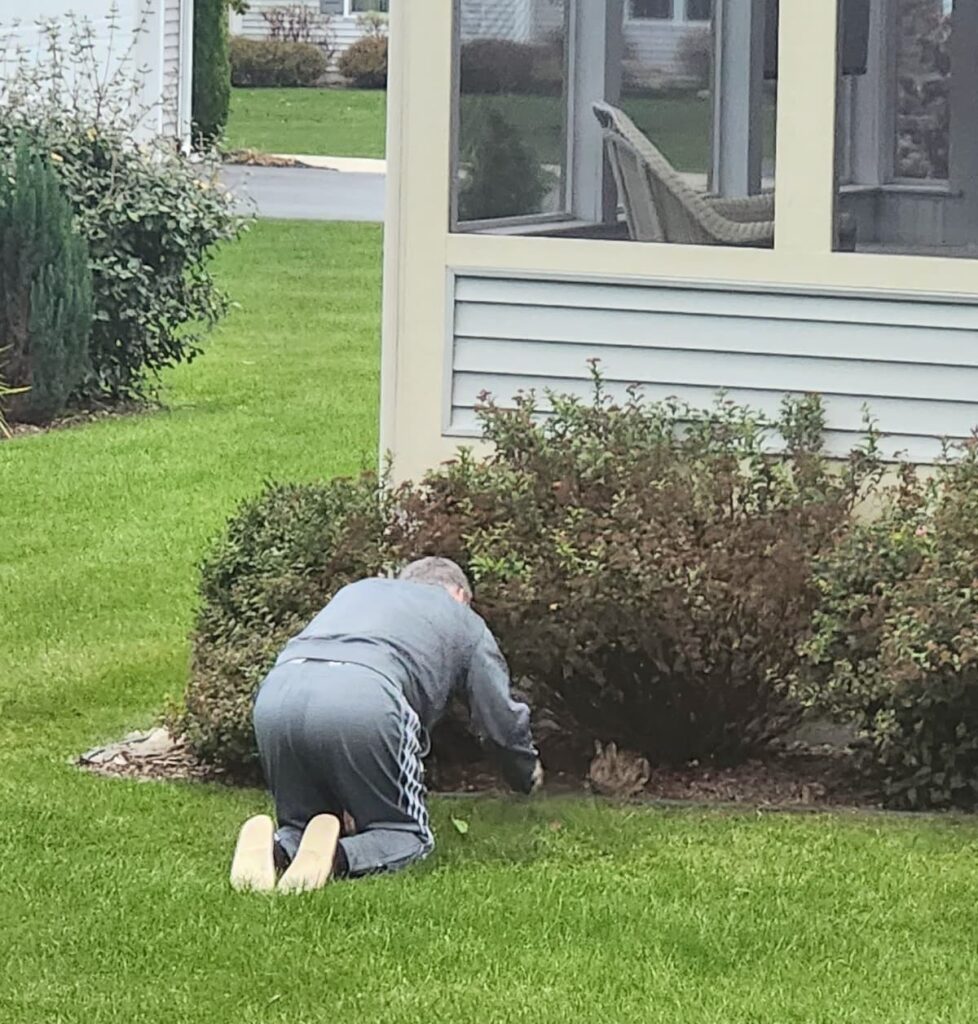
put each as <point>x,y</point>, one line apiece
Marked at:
<point>653,49</point>
<point>345,30</point>
<point>467,311</point>
<point>171,66</point>
<point>910,359</point>
<point>652,46</point>
<point>144,34</point>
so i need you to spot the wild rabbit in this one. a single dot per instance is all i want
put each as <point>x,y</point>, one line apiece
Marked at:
<point>614,773</point>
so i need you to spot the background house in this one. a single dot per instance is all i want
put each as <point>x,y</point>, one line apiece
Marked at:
<point>154,36</point>
<point>808,223</point>
<point>343,18</point>
<point>654,30</point>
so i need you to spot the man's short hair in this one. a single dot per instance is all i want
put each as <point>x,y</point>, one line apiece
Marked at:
<point>438,571</point>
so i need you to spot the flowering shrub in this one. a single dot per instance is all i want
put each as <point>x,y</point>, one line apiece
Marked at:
<point>150,216</point>
<point>895,641</point>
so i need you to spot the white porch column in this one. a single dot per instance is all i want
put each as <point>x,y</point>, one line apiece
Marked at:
<point>807,81</point>
<point>596,47</point>
<point>738,104</point>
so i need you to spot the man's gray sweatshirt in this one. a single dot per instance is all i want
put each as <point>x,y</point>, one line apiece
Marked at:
<point>430,646</point>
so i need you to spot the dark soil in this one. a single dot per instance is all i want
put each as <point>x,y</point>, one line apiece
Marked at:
<point>792,779</point>
<point>80,417</point>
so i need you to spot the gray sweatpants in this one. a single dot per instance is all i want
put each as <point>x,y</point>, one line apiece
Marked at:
<point>336,737</point>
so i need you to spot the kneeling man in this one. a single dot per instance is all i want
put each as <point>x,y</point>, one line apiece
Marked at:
<point>342,722</point>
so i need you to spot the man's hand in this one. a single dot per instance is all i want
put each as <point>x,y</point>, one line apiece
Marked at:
<point>537,778</point>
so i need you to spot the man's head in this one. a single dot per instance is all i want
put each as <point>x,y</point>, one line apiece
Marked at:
<point>440,572</point>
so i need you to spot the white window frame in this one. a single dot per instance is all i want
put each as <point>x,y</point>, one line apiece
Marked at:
<point>349,12</point>
<point>678,9</point>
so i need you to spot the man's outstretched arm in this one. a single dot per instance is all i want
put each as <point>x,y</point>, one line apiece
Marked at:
<point>503,723</point>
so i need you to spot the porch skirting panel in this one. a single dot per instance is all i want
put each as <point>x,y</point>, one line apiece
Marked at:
<point>912,362</point>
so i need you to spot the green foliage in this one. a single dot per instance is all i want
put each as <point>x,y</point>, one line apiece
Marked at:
<point>150,216</point>
<point>923,89</point>
<point>284,555</point>
<point>364,63</point>
<point>645,566</point>
<point>696,49</point>
<point>506,67</point>
<point>894,647</point>
<point>269,62</point>
<point>45,288</point>
<point>501,175</point>
<point>211,69</point>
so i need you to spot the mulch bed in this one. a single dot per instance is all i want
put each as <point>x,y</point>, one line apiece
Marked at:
<point>80,418</point>
<point>255,158</point>
<point>798,778</point>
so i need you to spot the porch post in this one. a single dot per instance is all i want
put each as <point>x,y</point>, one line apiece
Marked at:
<point>738,97</point>
<point>596,48</point>
<point>961,220</point>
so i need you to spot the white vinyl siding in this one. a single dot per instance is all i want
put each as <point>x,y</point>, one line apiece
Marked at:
<point>915,363</point>
<point>171,67</point>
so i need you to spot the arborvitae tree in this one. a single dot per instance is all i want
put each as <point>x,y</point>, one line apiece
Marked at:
<point>45,289</point>
<point>504,176</point>
<point>212,69</point>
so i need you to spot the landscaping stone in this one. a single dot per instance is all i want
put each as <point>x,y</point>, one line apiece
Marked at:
<point>155,754</point>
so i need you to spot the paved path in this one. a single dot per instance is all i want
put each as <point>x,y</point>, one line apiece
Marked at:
<point>305,193</point>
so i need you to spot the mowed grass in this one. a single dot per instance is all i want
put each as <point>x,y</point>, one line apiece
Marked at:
<point>318,122</point>
<point>351,122</point>
<point>113,898</point>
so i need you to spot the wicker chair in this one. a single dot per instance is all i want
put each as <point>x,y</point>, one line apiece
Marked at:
<point>660,206</point>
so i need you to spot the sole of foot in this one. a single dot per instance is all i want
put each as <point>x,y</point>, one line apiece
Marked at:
<point>253,865</point>
<point>312,865</point>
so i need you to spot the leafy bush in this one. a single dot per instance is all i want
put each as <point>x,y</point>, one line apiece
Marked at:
<point>211,101</point>
<point>45,288</point>
<point>364,63</point>
<point>696,56</point>
<point>502,176</point>
<point>268,62</point>
<point>923,83</point>
<point>646,567</point>
<point>298,23</point>
<point>504,67</point>
<point>895,642</point>
<point>150,217</point>
<point>285,553</point>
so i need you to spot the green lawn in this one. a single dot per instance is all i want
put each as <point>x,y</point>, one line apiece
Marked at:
<point>113,900</point>
<point>350,122</point>
<point>322,122</point>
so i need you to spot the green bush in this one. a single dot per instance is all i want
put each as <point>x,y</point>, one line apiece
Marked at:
<point>45,289</point>
<point>211,100</point>
<point>696,56</point>
<point>502,176</point>
<point>268,62</point>
<point>894,648</point>
<point>646,567</point>
<point>150,216</point>
<point>285,553</point>
<point>364,63</point>
<point>504,67</point>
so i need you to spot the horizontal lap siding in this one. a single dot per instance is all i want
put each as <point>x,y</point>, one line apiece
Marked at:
<point>344,31</point>
<point>914,363</point>
<point>655,45</point>
<point>171,67</point>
